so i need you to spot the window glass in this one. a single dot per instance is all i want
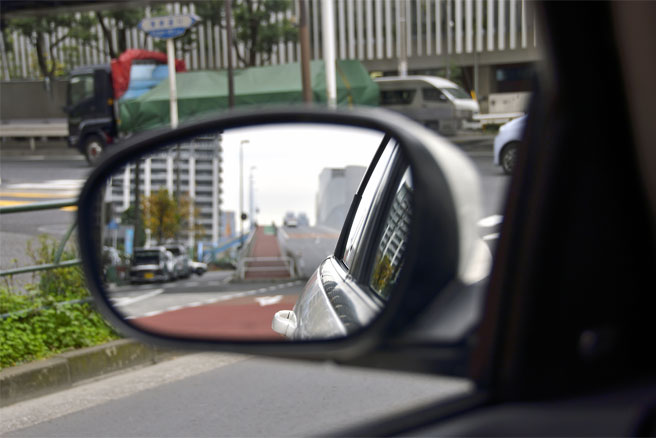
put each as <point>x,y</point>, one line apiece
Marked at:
<point>397,97</point>
<point>390,252</point>
<point>457,93</point>
<point>378,176</point>
<point>80,88</point>
<point>433,95</point>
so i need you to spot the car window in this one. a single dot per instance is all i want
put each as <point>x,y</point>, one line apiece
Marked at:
<point>457,93</point>
<point>397,97</point>
<point>378,176</point>
<point>432,95</point>
<point>391,246</point>
<point>81,88</point>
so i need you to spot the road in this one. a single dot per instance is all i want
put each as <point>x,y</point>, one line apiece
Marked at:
<point>209,306</point>
<point>229,395</point>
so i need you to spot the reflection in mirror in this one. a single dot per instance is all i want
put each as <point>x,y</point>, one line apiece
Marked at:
<point>213,237</point>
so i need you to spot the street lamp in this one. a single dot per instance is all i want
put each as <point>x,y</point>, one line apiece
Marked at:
<point>251,203</point>
<point>241,190</point>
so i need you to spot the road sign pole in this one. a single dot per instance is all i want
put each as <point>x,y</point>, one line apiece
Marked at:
<point>173,93</point>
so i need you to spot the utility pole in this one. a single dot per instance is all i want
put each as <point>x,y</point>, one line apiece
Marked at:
<point>328,22</point>
<point>231,84</point>
<point>241,189</point>
<point>403,53</point>
<point>305,51</point>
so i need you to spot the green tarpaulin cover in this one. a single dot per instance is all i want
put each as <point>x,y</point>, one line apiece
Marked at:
<point>201,93</point>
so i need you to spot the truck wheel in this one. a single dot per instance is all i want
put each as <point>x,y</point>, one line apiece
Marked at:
<point>93,148</point>
<point>509,157</point>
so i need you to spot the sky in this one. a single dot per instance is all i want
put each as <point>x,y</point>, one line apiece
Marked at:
<point>286,160</point>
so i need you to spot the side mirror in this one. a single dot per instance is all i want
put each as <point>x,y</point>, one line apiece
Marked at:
<point>385,222</point>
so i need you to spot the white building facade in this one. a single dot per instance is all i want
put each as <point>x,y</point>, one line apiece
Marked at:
<point>198,166</point>
<point>336,189</point>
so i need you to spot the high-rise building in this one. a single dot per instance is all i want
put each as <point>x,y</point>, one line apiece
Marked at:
<point>192,170</point>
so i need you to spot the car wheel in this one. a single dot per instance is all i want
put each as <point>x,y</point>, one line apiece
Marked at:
<point>508,157</point>
<point>93,148</point>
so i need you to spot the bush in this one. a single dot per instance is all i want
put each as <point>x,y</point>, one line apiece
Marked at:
<point>43,321</point>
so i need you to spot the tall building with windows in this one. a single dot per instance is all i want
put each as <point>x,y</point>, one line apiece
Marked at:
<point>194,171</point>
<point>336,190</point>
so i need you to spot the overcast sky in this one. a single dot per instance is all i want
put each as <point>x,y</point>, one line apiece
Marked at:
<point>287,161</point>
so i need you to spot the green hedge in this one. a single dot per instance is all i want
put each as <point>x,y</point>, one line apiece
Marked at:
<point>43,322</point>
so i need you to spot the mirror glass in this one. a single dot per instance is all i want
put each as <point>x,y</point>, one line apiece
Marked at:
<point>222,236</point>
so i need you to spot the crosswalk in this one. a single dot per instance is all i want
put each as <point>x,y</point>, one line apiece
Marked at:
<point>28,193</point>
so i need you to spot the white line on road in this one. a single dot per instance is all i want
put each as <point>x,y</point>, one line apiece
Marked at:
<point>490,221</point>
<point>131,300</point>
<point>268,301</point>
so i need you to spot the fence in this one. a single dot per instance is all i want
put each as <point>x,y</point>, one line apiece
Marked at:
<point>368,30</point>
<point>57,263</point>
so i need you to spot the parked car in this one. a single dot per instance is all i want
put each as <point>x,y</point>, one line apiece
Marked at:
<point>181,258</point>
<point>437,103</point>
<point>507,142</point>
<point>198,268</point>
<point>152,265</point>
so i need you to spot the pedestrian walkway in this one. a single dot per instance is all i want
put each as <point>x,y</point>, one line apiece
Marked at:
<point>265,257</point>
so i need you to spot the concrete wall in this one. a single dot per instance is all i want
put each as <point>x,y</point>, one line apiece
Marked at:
<point>30,100</point>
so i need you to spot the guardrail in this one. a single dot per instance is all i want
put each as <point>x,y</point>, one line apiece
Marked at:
<point>32,131</point>
<point>496,119</point>
<point>57,263</point>
<point>271,264</point>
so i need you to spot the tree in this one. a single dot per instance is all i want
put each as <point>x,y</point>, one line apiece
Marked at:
<point>36,28</point>
<point>125,19</point>
<point>253,26</point>
<point>166,217</point>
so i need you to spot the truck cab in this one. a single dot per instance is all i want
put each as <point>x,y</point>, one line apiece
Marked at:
<point>90,109</point>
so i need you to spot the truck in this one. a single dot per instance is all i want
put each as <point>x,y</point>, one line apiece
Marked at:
<point>94,91</point>
<point>106,102</point>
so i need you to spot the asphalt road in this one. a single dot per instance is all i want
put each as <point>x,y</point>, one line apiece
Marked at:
<point>230,395</point>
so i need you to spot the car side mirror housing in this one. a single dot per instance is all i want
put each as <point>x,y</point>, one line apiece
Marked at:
<point>410,220</point>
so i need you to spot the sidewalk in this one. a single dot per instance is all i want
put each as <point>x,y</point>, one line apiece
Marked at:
<point>265,245</point>
<point>68,369</point>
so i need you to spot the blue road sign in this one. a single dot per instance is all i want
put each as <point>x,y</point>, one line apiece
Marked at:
<point>171,26</point>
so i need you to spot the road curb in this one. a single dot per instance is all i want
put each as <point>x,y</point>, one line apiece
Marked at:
<point>63,371</point>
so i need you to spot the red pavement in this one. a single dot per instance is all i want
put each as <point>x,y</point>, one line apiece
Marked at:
<point>266,245</point>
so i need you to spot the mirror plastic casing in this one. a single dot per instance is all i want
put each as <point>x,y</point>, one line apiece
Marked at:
<point>432,252</point>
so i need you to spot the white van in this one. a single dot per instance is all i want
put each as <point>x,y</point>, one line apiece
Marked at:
<point>436,102</point>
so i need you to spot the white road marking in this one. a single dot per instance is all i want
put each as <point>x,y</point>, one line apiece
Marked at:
<point>490,221</point>
<point>131,300</point>
<point>70,184</point>
<point>268,301</point>
<point>190,284</point>
<point>491,236</point>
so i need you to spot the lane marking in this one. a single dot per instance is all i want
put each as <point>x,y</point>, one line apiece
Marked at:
<point>4,203</point>
<point>491,236</point>
<point>490,221</point>
<point>225,296</point>
<point>131,300</point>
<point>38,195</point>
<point>268,301</point>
